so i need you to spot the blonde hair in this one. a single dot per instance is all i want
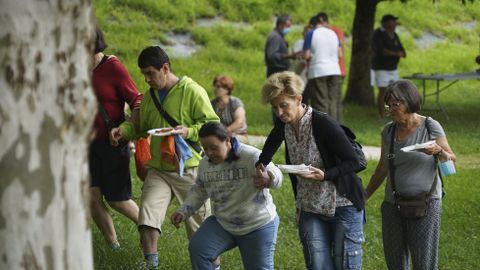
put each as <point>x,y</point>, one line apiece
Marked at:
<point>283,83</point>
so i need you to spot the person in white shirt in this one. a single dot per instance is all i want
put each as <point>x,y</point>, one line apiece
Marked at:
<point>322,50</point>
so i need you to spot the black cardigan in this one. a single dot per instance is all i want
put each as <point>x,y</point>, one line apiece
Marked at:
<point>337,153</point>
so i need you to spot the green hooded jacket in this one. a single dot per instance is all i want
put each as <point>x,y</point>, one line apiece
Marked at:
<point>188,103</point>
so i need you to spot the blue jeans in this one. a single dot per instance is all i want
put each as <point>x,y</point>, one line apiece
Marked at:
<point>256,248</point>
<point>332,242</point>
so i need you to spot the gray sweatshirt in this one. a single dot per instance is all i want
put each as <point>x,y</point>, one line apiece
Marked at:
<point>239,207</point>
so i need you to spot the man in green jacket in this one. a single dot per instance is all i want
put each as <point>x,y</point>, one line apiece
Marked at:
<point>188,104</point>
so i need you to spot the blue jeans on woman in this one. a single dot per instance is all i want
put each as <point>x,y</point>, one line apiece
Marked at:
<point>256,248</point>
<point>332,242</point>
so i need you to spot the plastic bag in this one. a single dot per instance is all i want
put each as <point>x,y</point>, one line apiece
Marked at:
<point>168,151</point>
<point>142,156</point>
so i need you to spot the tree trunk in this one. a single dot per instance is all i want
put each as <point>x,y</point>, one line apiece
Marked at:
<point>359,90</point>
<point>46,106</point>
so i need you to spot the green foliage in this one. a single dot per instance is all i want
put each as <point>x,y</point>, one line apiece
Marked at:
<point>234,46</point>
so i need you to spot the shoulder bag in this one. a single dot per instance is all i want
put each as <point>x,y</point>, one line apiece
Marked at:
<point>172,121</point>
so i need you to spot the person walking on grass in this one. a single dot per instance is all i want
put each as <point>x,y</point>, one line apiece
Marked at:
<point>413,173</point>
<point>187,104</point>
<point>109,165</point>
<point>329,196</point>
<point>244,212</point>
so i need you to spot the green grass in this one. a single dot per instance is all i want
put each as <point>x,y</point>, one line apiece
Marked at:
<point>131,25</point>
<point>459,243</point>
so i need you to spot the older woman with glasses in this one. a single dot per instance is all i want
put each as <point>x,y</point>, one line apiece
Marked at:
<point>330,197</point>
<point>414,174</point>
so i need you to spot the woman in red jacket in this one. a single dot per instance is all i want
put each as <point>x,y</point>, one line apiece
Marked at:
<point>109,165</point>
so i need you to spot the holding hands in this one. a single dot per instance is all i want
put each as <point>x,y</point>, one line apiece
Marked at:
<point>261,179</point>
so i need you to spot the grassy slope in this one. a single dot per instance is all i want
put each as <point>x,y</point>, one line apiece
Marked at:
<point>132,25</point>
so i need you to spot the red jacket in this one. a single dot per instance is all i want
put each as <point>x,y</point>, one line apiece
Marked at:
<point>113,87</point>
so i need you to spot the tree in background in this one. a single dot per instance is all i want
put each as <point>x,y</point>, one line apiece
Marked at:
<point>46,110</point>
<point>359,89</point>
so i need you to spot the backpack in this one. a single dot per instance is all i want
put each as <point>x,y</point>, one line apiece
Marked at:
<point>357,147</point>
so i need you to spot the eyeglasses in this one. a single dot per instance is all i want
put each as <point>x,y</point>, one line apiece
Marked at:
<point>393,105</point>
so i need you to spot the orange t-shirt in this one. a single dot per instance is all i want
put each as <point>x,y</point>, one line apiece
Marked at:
<point>341,39</point>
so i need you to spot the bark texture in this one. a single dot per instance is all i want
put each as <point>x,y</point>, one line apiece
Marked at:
<point>46,106</point>
<point>359,90</point>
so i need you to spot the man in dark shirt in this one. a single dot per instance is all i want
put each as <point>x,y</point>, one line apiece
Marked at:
<point>387,50</point>
<point>276,47</point>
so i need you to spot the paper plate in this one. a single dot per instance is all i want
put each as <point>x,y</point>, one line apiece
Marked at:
<point>161,131</point>
<point>295,169</point>
<point>417,146</point>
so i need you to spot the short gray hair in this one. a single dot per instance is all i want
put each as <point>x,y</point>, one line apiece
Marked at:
<point>405,91</point>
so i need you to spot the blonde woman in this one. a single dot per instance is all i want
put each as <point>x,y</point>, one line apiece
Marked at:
<point>330,197</point>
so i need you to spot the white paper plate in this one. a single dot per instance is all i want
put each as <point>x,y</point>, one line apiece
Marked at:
<point>417,146</point>
<point>295,169</point>
<point>161,131</point>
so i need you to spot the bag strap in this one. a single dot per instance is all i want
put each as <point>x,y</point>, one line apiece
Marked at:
<point>427,126</point>
<point>103,60</point>
<point>434,184</point>
<point>391,158</point>
<point>106,119</point>
<point>103,113</point>
<point>172,121</point>
<point>391,165</point>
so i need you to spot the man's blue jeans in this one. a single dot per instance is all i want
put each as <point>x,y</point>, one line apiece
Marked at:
<point>332,242</point>
<point>256,248</point>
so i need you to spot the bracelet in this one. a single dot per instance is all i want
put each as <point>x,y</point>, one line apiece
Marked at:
<point>439,153</point>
